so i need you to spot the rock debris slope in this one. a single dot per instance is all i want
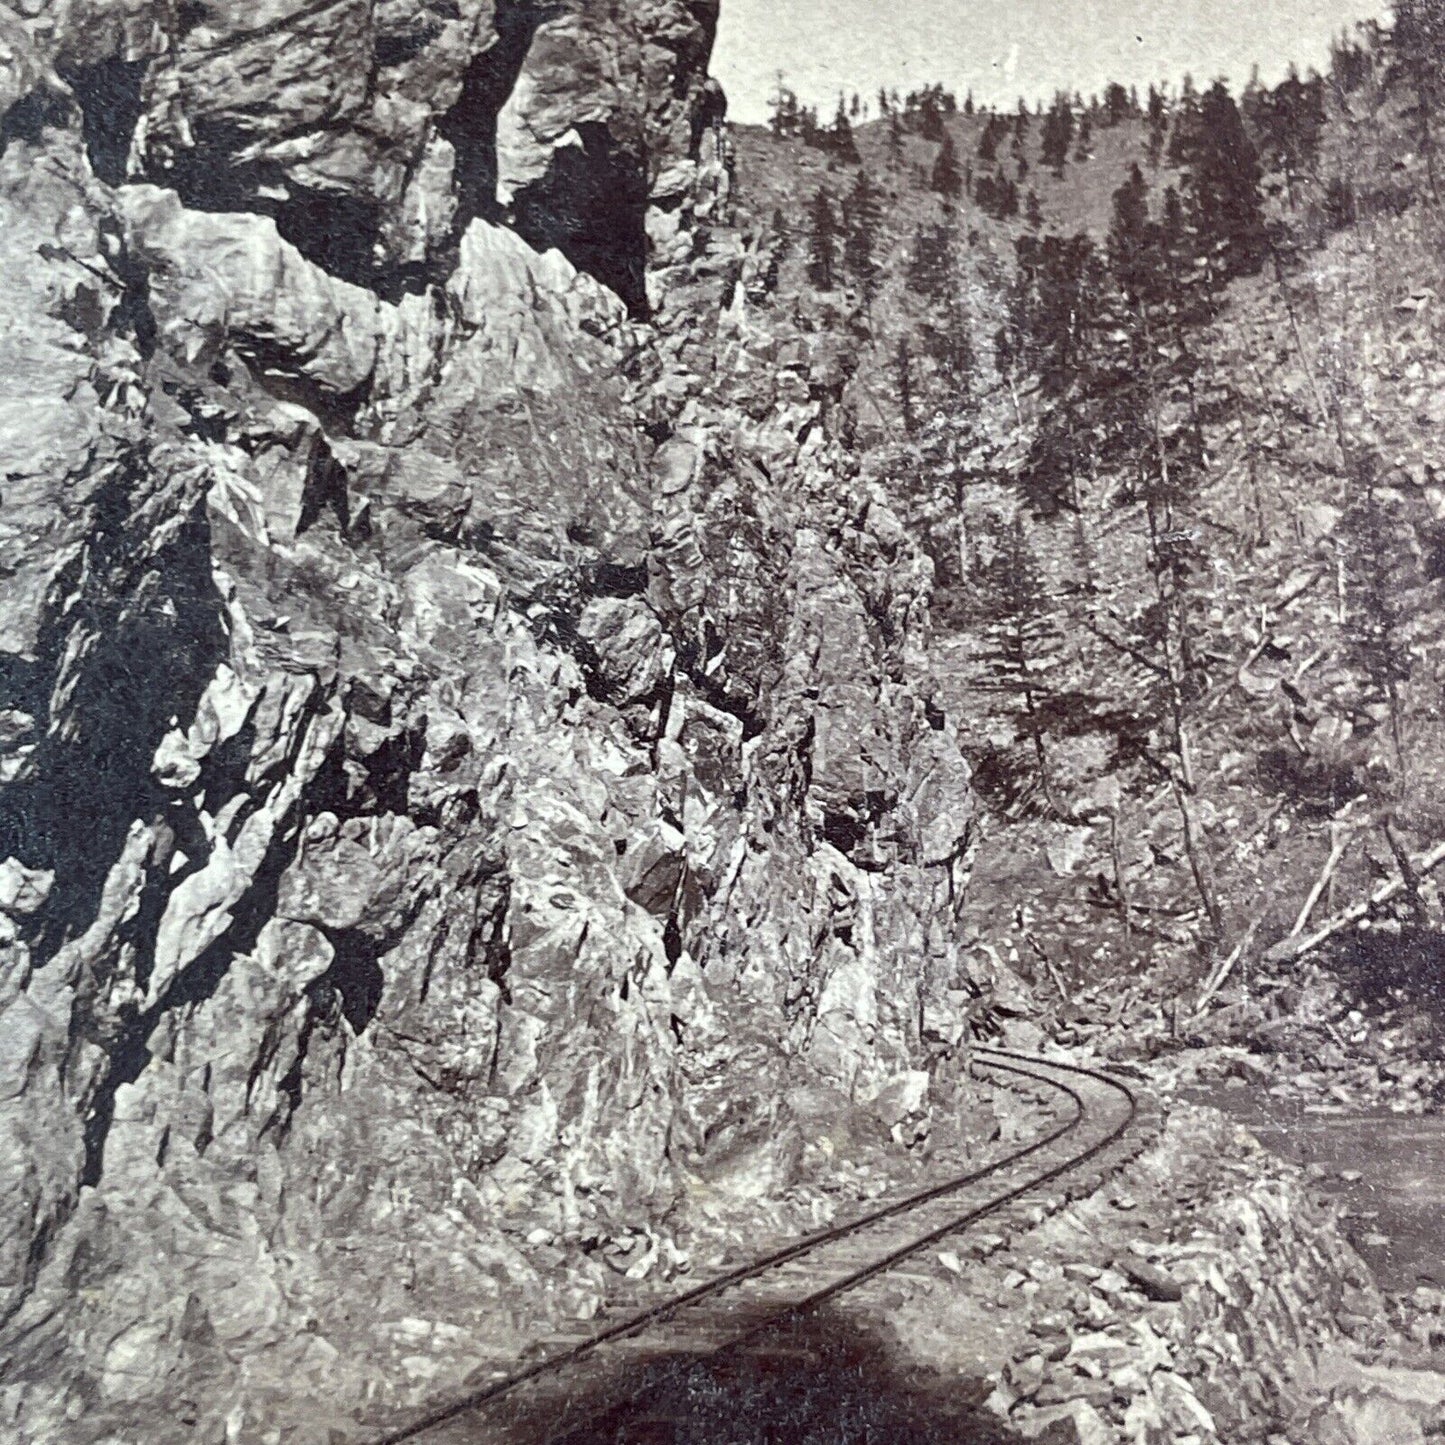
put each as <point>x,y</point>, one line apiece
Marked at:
<point>467,747</point>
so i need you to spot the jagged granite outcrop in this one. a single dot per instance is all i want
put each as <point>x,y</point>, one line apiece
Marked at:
<point>462,745</point>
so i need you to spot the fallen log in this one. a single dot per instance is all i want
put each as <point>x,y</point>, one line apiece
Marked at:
<point>1290,949</point>
<point>1220,975</point>
<point>1340,838</point>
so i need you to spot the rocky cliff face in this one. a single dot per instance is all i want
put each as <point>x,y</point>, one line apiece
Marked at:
<point>468,757</point>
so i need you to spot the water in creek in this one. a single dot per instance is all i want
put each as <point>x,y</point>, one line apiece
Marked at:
<point>1388,1171</point>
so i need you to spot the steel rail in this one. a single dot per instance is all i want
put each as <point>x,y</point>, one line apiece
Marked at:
<point>1004,1061</point>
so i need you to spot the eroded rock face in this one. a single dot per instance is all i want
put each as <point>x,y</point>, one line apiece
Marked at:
<point>374,131</point>
<point>461,767</point>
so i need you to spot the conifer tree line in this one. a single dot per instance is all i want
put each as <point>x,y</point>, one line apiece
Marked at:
<point>1106,338</point>
<point>1103,359</point>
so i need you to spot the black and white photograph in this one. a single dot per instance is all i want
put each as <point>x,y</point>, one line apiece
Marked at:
<point>722,722</point>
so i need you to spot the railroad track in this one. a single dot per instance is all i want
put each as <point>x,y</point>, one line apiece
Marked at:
<point>557,1394</point>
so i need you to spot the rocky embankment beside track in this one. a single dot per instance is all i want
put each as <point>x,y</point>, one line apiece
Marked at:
<point>1202,1294</point>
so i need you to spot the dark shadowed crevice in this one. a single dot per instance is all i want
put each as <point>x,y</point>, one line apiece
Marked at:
<point>132,317</point>
<point>324,488</point>
<point>490,942</point>
<point>397,47</point>
<point>354,983</point>
<point>337,231</point>
<point>275,372</point>
<point>591,206</point>
<point>471,124</point>
<point>91,775</point>
<point>131,1053</point>
<point>341,233</point>
<point>615,579</point>
<point>109,95</point>
<point>29,118</point>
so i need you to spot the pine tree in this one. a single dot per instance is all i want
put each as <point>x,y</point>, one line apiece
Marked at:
<point>1085,149</point>
<point>784,113</point>
<point>1158,125</point>
<point>1351,66</point>
<point>1419,61</point>
<point>895,141</point>
<point>946,179</point>
<point>1053,307</point>
<point>822,241</point>
<point>1146,369</point>
<point>994,128</point>
<point>1340,207</point>
<point>1116,104</point>
<point>840,136</point>
<point>1006,356</point>
<point>1132,245</point>
<point>903,378</point>
<point>1223,187</point>
<point>1380,572</point>
<point>1184,136</point>
<point>1022,640</point>
<point>862,215</point>
<point>932,264</point>
<point>949,345</point>
<point>778,252</point>
<point>929,110</point>
<point>1058,134</point>
<point>1287,125</point>
<point>1034,212</point>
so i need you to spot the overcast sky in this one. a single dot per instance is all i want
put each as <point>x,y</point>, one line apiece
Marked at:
<point>1007,48</point>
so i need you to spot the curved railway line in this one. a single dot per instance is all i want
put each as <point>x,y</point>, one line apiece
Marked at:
<point>545,1401</point>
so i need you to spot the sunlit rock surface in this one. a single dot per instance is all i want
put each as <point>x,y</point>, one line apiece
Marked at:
<point>468,751</point>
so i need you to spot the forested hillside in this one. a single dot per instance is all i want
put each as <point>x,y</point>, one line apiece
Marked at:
<point>1159,380</point>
